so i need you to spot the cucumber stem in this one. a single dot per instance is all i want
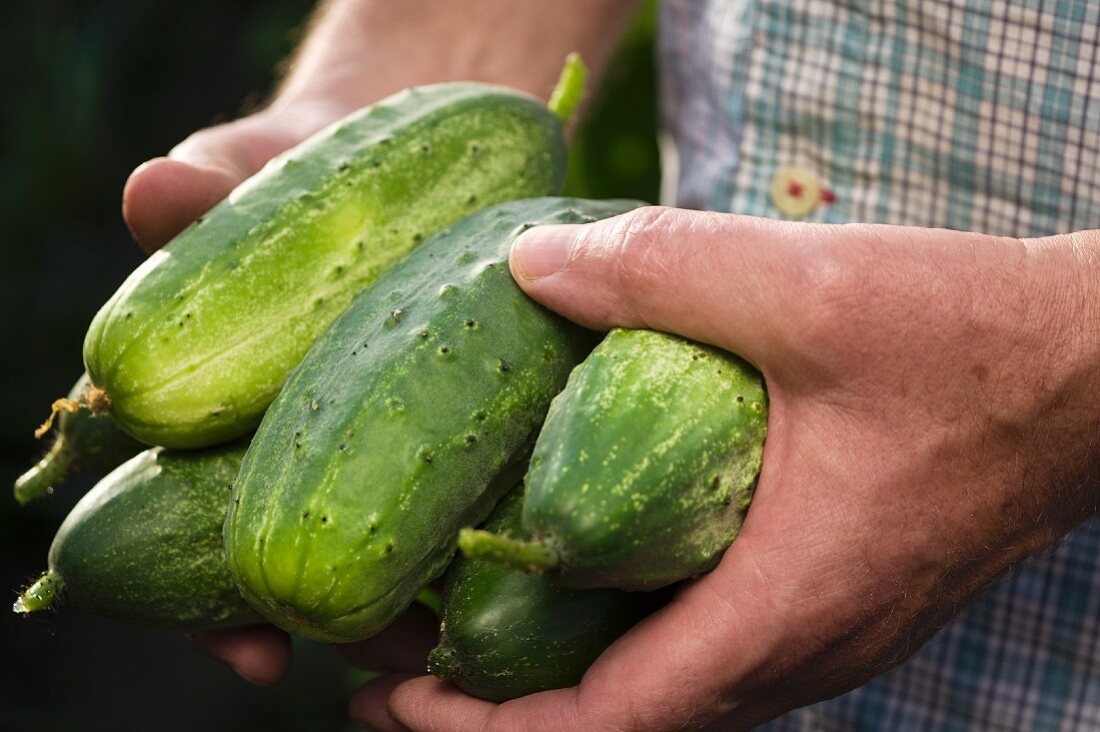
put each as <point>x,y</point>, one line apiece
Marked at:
<point>40,595</point>
<point>530,556</point>
<point>94,399</point>
<point>46,473</point>
<point>430,599</point>
<point>97,400</point>
<point>570,87</point>
<point>71,406</point>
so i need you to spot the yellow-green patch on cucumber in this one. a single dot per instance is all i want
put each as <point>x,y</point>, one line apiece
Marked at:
<point>199,339</point>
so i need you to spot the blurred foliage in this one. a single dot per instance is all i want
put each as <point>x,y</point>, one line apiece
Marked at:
<point>89,90</point>
<point>614,153</point>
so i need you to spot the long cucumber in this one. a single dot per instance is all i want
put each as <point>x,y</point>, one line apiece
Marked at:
<point>145,545</point>
<point>199,339</point>
<point>408,419</point>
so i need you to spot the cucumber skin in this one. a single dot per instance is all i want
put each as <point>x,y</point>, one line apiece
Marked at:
<point>145,544</point>
<point>83,442</point>
<point>198,340</point>
<point>647,461</point>
<point>506,633</point>
<point>408,420</point>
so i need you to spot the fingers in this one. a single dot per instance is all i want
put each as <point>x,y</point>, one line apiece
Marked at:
<point>258,653</point>
<point>403,646</point>
<point>712,277</point>
<point>700,660</point>
<point>427,704</point>
<point>367,707</point>
<point>163,196</point>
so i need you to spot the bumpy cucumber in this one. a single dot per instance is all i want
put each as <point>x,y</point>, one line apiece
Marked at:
<point>644,468</point>
<point>145,545</point>
<point>198,340</point>
<point>506,633</point>
<point>408,419</point>
<point>83,441</point>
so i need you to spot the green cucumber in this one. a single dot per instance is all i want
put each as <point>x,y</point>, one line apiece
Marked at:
<point>408,419</point>
<point>199,339</point>
<point>145,545</point>
<point>506,633</point>
<point>644,469</point>
<point>84,441</point>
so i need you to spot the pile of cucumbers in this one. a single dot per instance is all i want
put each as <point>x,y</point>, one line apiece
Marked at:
<point>312,395</point>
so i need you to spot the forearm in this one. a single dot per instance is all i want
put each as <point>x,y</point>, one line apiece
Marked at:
<point>357,51</point>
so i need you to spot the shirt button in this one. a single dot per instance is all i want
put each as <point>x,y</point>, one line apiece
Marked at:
<point>795,191</point>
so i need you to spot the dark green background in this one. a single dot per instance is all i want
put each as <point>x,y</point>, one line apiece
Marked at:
<point>88,90</point>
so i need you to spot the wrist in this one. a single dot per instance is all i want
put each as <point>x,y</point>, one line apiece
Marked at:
<point>1065,303</point>
<point>359,51</point>
<point>1066,299</point>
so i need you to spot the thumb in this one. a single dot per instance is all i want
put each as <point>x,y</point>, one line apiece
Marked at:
<point>164,195</point>
<point>722,279</point>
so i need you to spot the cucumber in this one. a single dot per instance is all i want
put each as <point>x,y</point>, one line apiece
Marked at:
<point>644,469</point>
<point>145,545</point>
<point>506,633</point>
<point>199,339</point>
<point>408,419</point>
<point>84,441</point>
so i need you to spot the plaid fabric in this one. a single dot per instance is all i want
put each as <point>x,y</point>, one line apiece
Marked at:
<point>979,115</point>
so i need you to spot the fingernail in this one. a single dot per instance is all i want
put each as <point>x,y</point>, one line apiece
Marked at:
<point>543,251</point>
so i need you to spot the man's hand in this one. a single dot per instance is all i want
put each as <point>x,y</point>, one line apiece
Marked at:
<point>933,420</point>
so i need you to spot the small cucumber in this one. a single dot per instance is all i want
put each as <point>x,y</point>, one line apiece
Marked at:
<point>145,545</point>
<point>506,633</point>
<point>644,469</point>
<point>408,419</point>
<point>84,441</point>
<point>199,339</point>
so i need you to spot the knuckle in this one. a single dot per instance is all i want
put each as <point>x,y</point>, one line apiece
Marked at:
<point>200,139</point>
<point>636,708</point>
<point>640,253</point>
<point>644,231</point>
